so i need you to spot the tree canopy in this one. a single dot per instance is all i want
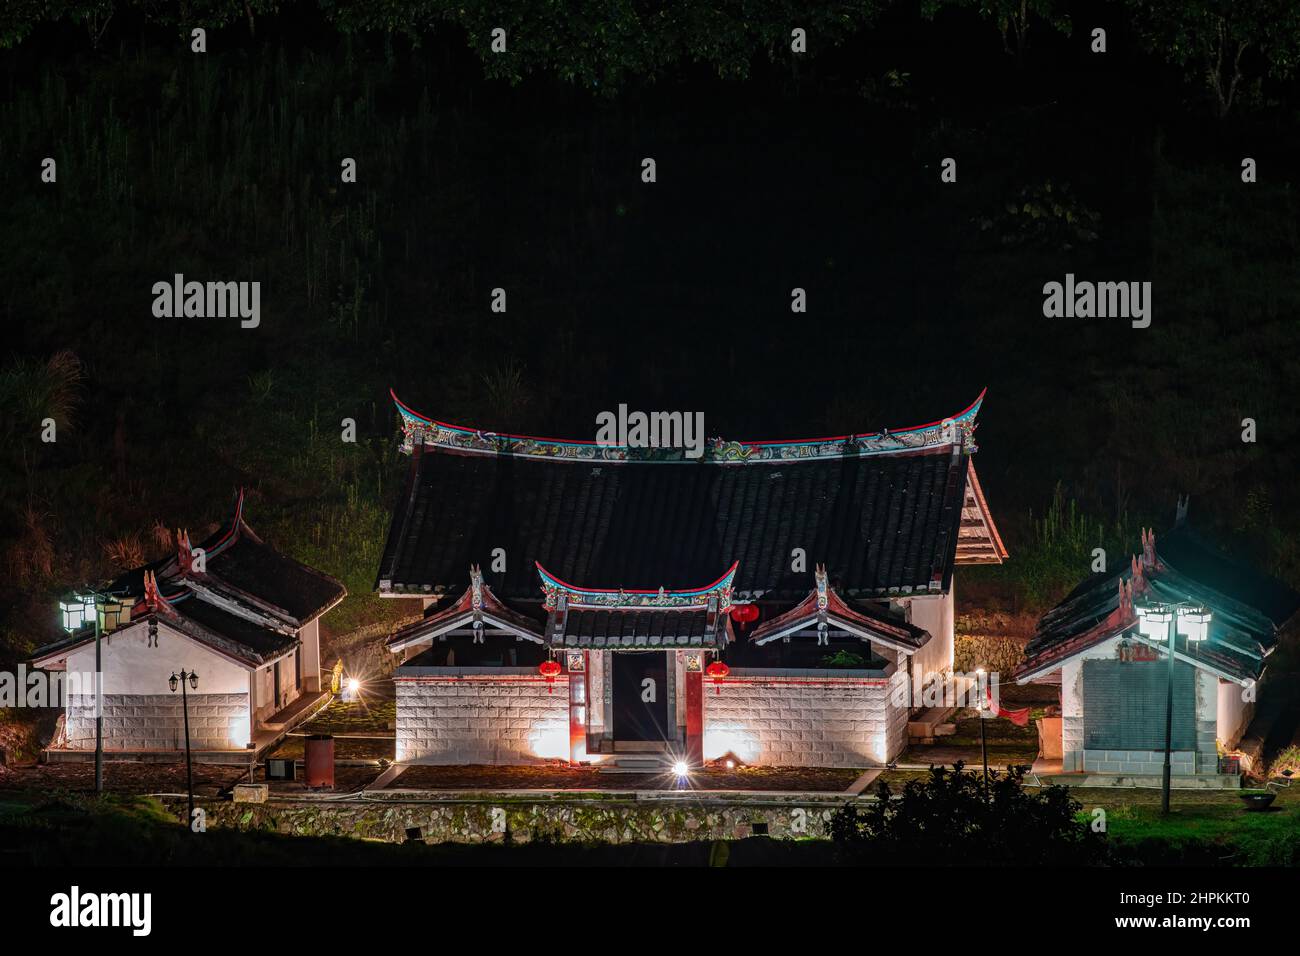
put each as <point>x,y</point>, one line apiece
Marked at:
<point>1225,46</point>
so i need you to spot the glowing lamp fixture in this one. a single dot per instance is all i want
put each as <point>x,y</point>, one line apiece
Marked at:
<point>351,689</point>
<point>680,768</point>
<point>550,670</point>
<point>72,613</point>
<point>1194,624</point>
<point>1153,622</point>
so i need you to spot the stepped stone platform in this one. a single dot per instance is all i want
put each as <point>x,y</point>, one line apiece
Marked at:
<point>1048,772</point>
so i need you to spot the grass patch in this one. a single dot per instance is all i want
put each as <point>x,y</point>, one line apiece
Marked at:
<point>1209,827</point>
<point>354,717</point>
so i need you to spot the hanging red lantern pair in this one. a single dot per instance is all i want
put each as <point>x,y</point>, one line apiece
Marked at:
<point>550,670</point>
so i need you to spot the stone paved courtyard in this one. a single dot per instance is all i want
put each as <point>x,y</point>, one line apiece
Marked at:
<point>559,777</point>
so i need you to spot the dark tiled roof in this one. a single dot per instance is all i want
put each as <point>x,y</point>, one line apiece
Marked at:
<point>259,570</point>
<point>263,642</point>
<point>246,566</point>
<point>1187,552</point>
<point>880,523</point>
<point>637,627</point>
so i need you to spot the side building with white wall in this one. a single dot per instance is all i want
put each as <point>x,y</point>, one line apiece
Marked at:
<point>1218,618</point>
<point>238,614</point>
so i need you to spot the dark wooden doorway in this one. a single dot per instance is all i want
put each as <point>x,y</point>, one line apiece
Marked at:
<point>640,686</point>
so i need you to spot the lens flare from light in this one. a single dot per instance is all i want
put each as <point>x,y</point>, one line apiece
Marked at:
<point>681,769</point>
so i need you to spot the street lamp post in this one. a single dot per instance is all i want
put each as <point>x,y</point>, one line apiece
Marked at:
<point>193,680</point>
<point>74,612</point>
<point>1156,623</point>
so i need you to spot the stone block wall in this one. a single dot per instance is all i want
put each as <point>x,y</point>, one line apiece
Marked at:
<point>156,721</point>
<point>508,719</point>
<point>1205,759</point>
<point>791,718</point>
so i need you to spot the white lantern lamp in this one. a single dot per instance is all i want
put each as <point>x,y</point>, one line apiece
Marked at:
<point>1153,623</point>
<point>1194,624</point>
<point>73,614</point>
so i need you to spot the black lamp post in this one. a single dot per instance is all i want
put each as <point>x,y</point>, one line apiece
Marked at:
<point>1156,622</point>
<point>193,680</point>
<point>83,604</point>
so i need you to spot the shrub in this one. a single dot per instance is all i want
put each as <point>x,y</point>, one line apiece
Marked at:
<point>946,820</point>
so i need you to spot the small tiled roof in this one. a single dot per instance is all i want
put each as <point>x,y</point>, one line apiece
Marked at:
<point>637,628</point>
<point>1187,552</point>
<point>461,613</point>
<point>1180,567</point>
<point>247,603</point>
<point>231,635</point>
<point>252,642</point>
<point>859,618</point>
<point>243,568</point>
<point>256,569</point>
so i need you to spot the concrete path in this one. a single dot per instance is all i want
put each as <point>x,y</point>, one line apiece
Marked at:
<point>387,777</point>
<point>864,781</point>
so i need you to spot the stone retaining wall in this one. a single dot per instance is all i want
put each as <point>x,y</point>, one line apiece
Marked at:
<point>510,819</point>
<point>156,721</point>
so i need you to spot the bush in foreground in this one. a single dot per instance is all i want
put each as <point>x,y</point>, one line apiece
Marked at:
<point>946,820</point>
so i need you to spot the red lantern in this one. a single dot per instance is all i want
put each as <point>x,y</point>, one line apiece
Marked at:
<point>550,670</point>
<point>744,614</point>
<point>716,671</point>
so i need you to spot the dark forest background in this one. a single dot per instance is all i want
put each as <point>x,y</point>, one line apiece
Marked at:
<point>521,170</point>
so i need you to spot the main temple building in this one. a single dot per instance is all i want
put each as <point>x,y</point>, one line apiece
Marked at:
<point>767,602</point>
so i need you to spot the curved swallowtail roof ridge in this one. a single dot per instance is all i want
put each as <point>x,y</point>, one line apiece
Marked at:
<point>421,431</point>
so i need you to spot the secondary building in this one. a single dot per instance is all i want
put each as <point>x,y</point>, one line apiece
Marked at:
<point>1107,646</point>
<point>232,610</point>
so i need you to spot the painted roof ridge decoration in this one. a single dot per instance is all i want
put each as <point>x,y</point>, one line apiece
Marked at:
<point>624,598</point>
<point>420,431</point>
<point>232,534</point>
<point>476,607</point>
<point>154,600</point>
